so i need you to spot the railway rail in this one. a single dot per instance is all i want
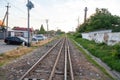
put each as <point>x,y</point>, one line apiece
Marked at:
<point>60,62</point>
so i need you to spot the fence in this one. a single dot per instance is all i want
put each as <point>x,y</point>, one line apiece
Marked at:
<point>103,36</point>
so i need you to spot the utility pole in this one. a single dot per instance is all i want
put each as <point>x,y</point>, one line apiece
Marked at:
<point>7,13</point>
<point>78,21</point>
<point>85,16</point>
<point>47,26</point>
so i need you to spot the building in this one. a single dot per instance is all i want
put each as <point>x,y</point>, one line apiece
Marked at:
<point>20,31</point>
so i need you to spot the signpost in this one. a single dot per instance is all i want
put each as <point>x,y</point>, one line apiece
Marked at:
<point>29,7</point>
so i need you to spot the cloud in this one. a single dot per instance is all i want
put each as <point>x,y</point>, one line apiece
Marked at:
<point>61,13</point>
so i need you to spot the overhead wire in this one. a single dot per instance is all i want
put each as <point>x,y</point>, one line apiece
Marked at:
<point>21,11</point>
<point>17,8</point>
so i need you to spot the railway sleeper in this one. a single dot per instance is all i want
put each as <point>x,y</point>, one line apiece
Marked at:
<point>43,71</point>
<point>33,79</point>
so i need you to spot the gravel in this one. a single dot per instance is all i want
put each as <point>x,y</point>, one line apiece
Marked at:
<point>83,69</point>
<point>113,73</point>
<point>16,68</point>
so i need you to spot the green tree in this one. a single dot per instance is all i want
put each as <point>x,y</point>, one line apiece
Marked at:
<point>42,30</point>
<point>59,32</point>
<point>101,20</point>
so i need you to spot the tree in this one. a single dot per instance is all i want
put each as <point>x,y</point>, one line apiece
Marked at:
<point>101,20</point>
<point>42,30</point>
<point>59,32</point>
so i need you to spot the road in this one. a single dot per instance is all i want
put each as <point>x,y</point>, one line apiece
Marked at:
<point>4,48</point>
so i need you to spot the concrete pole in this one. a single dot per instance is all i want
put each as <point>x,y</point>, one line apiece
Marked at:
<point>47,26</point>
<point>7,19</point>
<point>28,26</point>
<point>78,21</point>
<point>85,16</point>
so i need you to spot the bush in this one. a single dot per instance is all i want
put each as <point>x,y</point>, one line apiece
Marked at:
<point>117,48</point>
<point>77,35</point>
<point>108,54</point>
<point>101,44</point>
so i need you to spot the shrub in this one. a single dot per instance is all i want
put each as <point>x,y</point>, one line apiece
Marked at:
<point>108,54</point>
<point>117,48</point>
<point>101,44</point>
<point>77,35</point>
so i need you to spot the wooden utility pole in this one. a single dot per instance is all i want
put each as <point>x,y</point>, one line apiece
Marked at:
<point>85,16</point>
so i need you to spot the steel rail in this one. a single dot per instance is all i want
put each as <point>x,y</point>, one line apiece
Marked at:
<point>65,64</point>
<point>56,61</point>
<point>70,62</point>
<point>34,66</point>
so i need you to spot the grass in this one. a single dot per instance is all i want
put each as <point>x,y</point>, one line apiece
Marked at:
<point>108,54</point>
<point>13,54</point>
<point>94,48</point>
<point>20,51</point>
<point>88,57</point>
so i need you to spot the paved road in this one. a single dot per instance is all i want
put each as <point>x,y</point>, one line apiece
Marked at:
<point>5,48</point>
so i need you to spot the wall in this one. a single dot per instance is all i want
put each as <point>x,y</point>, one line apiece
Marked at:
<point>103,36</point>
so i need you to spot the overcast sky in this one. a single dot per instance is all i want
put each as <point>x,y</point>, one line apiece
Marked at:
<point>62,14</point>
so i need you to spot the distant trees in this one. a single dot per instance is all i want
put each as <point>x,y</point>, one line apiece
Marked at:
<point>59,32</point>
<point>101,20</point>
<point>42,30</point>
<point>51,32</point>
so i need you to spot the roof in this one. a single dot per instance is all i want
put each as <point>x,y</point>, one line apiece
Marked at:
<point>23,29</point>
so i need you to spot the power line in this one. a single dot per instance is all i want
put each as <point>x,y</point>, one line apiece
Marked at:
<point>17,8</point>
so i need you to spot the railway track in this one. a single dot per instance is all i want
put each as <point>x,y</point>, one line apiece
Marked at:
<point>53,65</point>
<point>61,62</point>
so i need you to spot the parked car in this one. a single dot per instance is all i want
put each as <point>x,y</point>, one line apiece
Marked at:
<point>16,40</point>
<point>38,38</point>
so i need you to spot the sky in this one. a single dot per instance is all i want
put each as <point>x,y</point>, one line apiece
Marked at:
<point>61,14</point>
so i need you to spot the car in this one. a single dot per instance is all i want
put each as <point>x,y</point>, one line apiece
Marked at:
<point>38,38</point>
<point>16,40</point>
